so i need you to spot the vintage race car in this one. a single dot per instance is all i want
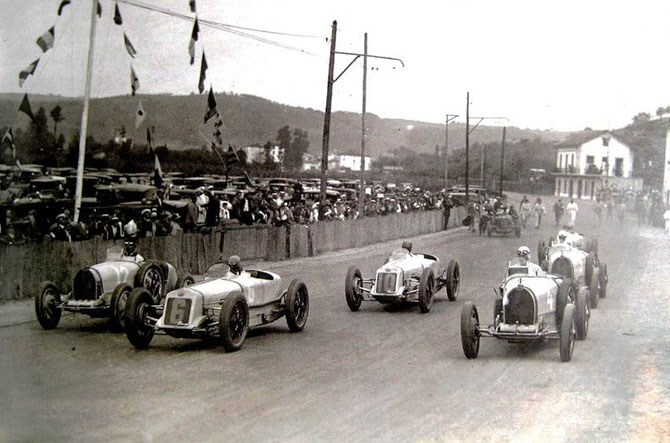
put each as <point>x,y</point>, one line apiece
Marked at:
<point>223,305</point>
<point>102,290</point>
<point>578,265</point>
<point>528,308</point>
<point>503,223</point>
<point>574,239</point>
<point>405,277</point>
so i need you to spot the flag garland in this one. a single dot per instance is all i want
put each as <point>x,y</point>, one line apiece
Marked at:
<point>203,73</point>
<point>117,15</point>
<point>46,40</point>
<point>150,139</point>
<point>191,4</point>
<point>9,139</point>
<point>158,172</point>
<point>194,38</point>
<point>29,70</point>
<point>231,157</point>
<point>211,106</point>
<point>134,81</point>
<point>99,11</point>
<point>26,109</point>
<point>63,4</point>
<point>129,46</point>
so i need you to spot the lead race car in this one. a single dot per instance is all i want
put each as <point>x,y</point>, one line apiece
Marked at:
<point>504,222</point>
<point>529,308</point>
<point>405,277</point>
<point>102,290</point>
<point>224,305</point>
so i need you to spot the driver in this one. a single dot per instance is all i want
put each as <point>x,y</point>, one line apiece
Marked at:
<point>130,252</point>
<point>235,264</point>
<point>524,260</point>
<point>407,246</point>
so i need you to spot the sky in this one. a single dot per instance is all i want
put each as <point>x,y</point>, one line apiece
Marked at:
<point>541,64</point>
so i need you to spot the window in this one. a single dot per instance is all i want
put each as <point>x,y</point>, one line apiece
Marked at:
<point>618,167</point>
<point>590,159</point>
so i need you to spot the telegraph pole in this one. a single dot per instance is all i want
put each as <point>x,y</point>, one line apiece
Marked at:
<point>502,161</point>
<point>449,118</point>
<point>361,195</point>
<point>467,148</point>
<point>326,120</point>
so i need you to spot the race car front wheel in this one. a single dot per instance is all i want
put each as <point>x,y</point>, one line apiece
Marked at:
<point>138,330</point>
<point>47,304</point>
<point>117,306</point>
<point>426,290</point>
<point>567,333</point>
<point>233,322</point>
<point>470,330</point>
<point>297,306</point>
<point>352,288</point>
<point>453,280</point>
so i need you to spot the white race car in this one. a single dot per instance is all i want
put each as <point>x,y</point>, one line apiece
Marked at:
<point>405,277</point>
<point>223,306</point>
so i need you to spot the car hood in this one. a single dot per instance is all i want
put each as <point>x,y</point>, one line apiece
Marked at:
<point>214,288</point>
<point>112,273</point>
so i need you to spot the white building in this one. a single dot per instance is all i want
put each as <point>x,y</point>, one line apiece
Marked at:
<point>258,154</point>
<point>591,161</point>
<point>666,170</point>
<point>350,162</point>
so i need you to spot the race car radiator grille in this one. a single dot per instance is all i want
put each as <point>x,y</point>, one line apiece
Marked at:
<point>84,287</point>
<point>562,266</point>
<point>177,311</point>
<point>386,283</point>
<point>520,308</point>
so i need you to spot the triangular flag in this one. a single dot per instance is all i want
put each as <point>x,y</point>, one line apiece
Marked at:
<point>9,139</point>
<point>23,75</point>
<point>117,15</point>
<point>194,38</point>
<point>129,46</point>
<point>158,172</point>
<point>150,139</point>
<point>218,123</point>
<point>134,81</point>
<point>203,73</point>
<point>25,107</point>
<point>191,3</point>
<point>63,4</point>
<point>231,156</point>
<point>211,106</point>
<point>140,115</point>
<point>46,40</point>
<point>99,9</point>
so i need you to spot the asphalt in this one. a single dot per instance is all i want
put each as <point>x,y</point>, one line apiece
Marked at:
<point>379,374</point>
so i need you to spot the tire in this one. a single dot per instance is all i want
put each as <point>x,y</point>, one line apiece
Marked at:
<point>453,280</point>
<point>297,306</point>
<point>588,268</point>
<point>604,279</point>
<point>497,309</point>
<point>233,322</point>
<point>582,315</point>
<point>541,251</point>
<point>469,330</point>
<point>117,306</point>
<point>593,291</point>
<point>426,290</point>
<point>138,331</point>
<point>46,305</point>
<point>150,277</point>
<point>565,291</point>
<point>184,280</point>
<point>351,288</point>
<point>567,333</point>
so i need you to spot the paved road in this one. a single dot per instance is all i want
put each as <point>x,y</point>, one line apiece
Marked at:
<point>378,374</point>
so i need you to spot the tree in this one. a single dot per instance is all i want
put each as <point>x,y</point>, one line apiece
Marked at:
<point>641,118</point>
<point>57,117</point>
<point>293,157</point>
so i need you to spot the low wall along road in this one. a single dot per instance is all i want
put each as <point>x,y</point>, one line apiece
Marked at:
<point>24,267</point>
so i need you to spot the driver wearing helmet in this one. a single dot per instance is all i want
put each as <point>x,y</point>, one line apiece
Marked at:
<point>407,246</point>
<point>235,265</point>
<point>524,260</point>
<point>130,252</point>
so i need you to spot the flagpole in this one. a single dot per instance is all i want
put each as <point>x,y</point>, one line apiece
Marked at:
<point>84,115</point>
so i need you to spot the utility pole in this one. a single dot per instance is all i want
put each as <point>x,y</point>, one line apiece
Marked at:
<point>449,118</point>
<point>361,196</point>
<point>481,172</point>
<point>502,161</point>
<point>467,148</point>
<point>326,120</point>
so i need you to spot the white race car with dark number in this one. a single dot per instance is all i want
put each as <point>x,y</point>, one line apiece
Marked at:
<point>405,277</point>
<point>529,308</point>
<point>102,290</point>
<point>222,307</point>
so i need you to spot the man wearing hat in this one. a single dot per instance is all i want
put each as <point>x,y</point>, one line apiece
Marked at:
<point>59,230</point>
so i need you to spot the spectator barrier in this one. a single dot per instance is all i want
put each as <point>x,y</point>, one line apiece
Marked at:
<point>24,267</point>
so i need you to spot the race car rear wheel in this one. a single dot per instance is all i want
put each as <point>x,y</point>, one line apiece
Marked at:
<point>470,330</point>
<point>352,288</point>
<point>582,315</point>
<point>297,305</point>
<point>426,290</point>
<point>567,333</point>
<point>565,294</point>
<point>603,281</point>
<point>453,279</point>
<point>46,305</point>
<point>117,306</point>
<point>185,280</point>
<point>593,290</point>
<point>233,322</point>
<point>541,251</point>
<point>138,329</point>
<point>150,277</point>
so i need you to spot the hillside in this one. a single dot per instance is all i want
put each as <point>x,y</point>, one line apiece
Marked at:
<point>253,120</point>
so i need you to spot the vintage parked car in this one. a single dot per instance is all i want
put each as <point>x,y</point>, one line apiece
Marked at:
<point>503,223</point>
<point>584,268</point>
<point>405,277</point>
<point>528,308</point>
<point>102,290</point>
<point>224,306</point>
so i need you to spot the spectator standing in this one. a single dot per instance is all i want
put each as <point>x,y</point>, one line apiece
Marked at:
<point>131,229</point>
<point>558,211</point>
<point>446,209</point>
<point>244,209</point>
<point>572,209</point>
<point>472,214</point>
<point>59,230</point>
<point>213,210</point>
<point>666,217</point>
<point>621,212</point>
<point>191,218</point>
<point>201,201</point>
<point>599,211</point>
<point>539,210</point>
<point>525,210</point>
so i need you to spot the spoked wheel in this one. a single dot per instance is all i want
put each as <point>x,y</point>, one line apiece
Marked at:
<point>150,277</point>
<point>568,333</point>
<point>185,280</point>
<point>453,280</point>
<point>470,330</point>
<point>233,322</point>
<point>47,304</point>
<point>426,290</point>
<point>352,288</point>
<point>297,306</point>
<point>117,306</point>
<point>582,315</point>
<point>136,323</point>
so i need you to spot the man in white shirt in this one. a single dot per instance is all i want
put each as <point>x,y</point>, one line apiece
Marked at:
<point>524,260</point>
<point>572,210</point>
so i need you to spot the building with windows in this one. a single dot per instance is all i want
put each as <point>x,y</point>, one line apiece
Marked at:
<point>259,154</point>
<point>592,161</point>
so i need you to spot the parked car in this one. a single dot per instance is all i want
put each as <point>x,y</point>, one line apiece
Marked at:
<point>529,308</point>
<point>102,290</point>
<point>404,278</point>
<point>503,223</point>
<point>223,306</point>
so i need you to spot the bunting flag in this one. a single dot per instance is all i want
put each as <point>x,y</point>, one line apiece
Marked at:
<point>203,73</point>
<point>247,179</point>
<point>63,4</point>
<point>150,139</point>
<point>134,81</point>
<point>191,3</point>
<point>129,46</point>
<point>194,38</point>
<point>117,15</point>
<point>9,139</point>
<point>211,106</point>
<point>99,9</point>
<point>46,40</point>
<point>25,108</point>
<point>139,115</point>
<point>231,156</point>
<point>217,136</point>
<point>30,70</point>
<point>218,123</point>
<point>158,172</point>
